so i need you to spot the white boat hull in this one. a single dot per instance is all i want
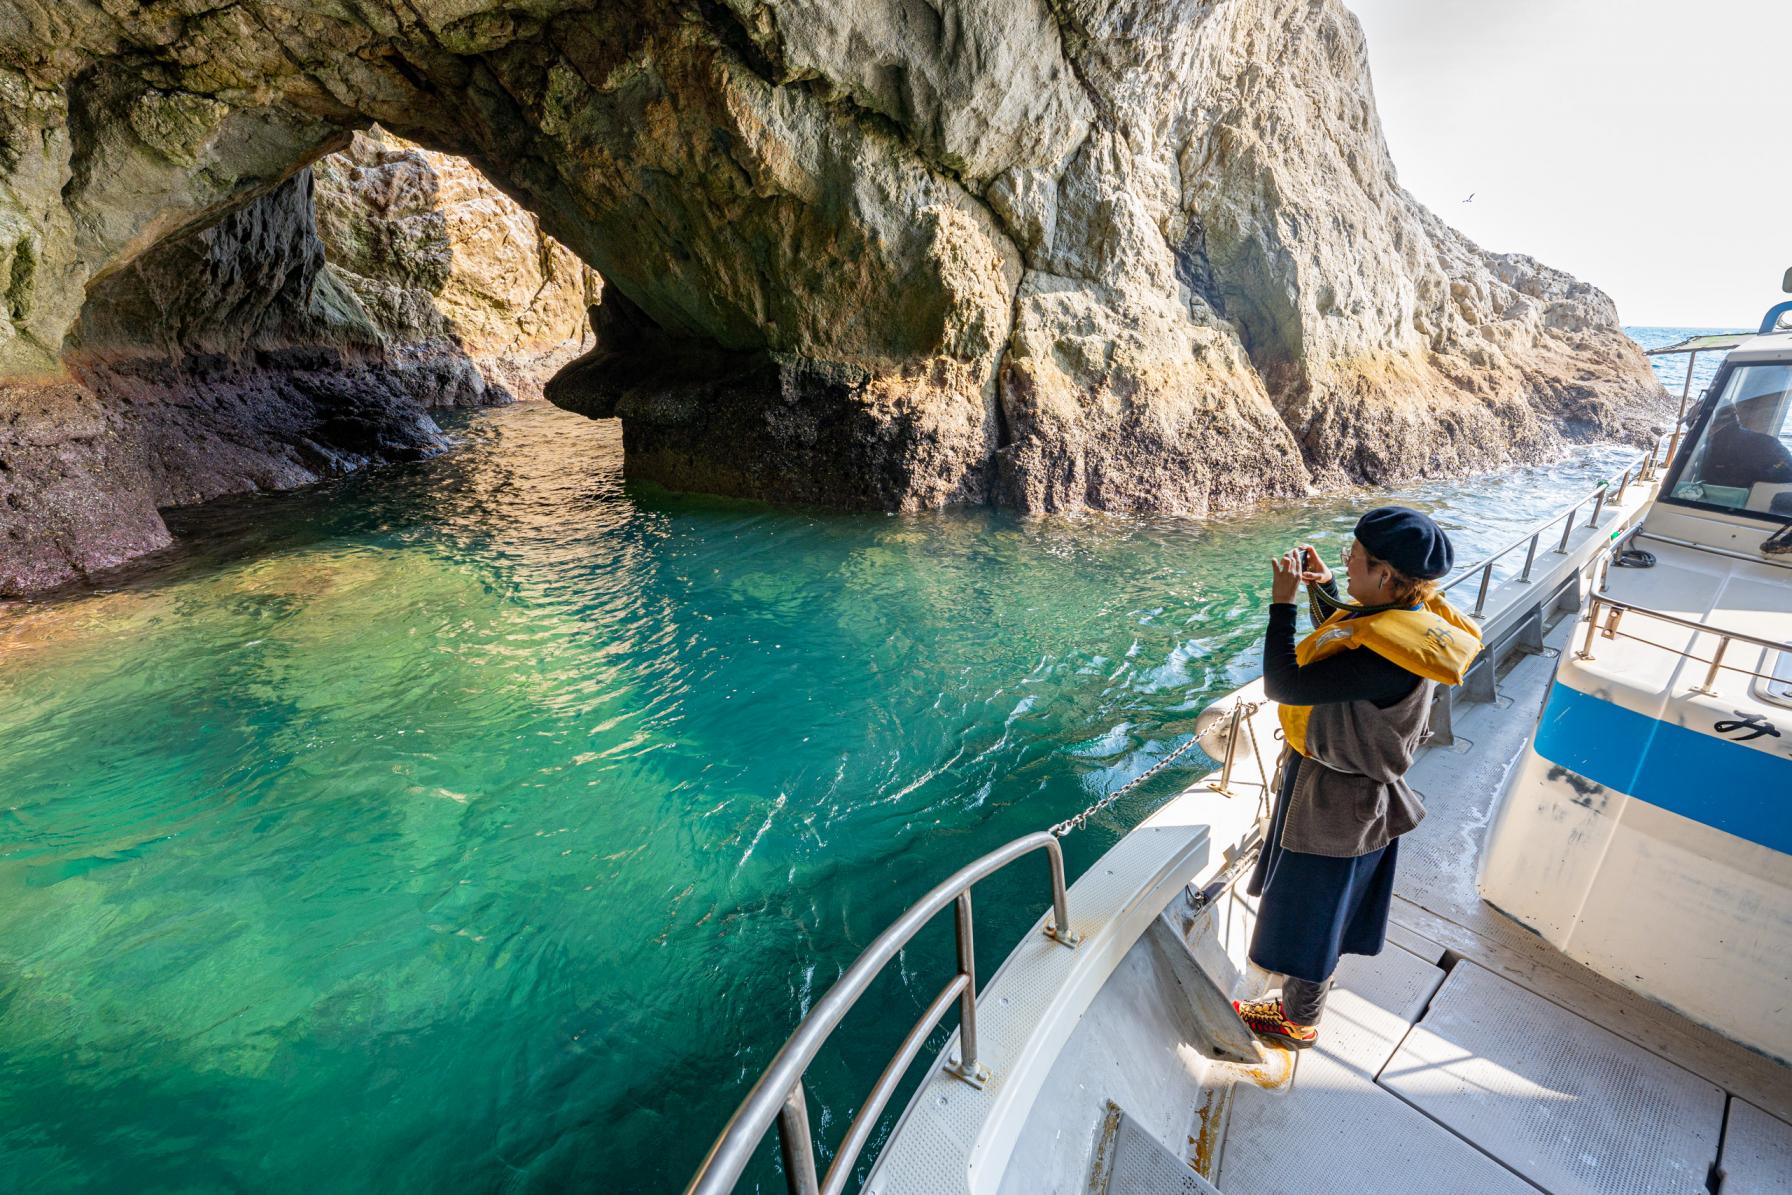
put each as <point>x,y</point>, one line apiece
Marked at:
<point>1666,905</point>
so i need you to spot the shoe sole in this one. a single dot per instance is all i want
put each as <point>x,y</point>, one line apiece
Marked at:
<point>1282,1039</point>
<point>1293,1043</point>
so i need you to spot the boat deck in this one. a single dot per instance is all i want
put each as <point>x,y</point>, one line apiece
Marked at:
<point>1469,1055</point>
<point>1472,1056</point>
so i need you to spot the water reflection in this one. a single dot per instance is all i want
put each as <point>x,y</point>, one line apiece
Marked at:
<point>487,823</point>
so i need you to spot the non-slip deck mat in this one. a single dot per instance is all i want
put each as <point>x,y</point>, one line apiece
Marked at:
<point>1333,1131</point>
<point>1372,1005</point>
<point>1573,1107</point>
<point>1133,1162</point>
<point>1757,1152</point>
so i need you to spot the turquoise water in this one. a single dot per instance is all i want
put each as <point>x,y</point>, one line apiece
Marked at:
<point>485,824</point>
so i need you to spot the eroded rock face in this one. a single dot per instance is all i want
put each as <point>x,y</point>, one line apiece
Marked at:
<point>226,360</point>
<point>445,264</point>
<point>1059,254</point>
<point>242,357</point>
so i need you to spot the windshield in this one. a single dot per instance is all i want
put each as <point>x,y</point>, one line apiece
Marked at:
<point>1741,459</point>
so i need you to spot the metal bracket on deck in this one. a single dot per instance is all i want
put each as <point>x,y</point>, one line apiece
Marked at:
<point>1478,685</point>
<point>976,1076</point>
<point>1442,723</point>
<point>1212,1006</point>
<point>1568,596</point>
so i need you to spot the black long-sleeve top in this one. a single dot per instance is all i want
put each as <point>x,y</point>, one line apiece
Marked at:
<point>1347,676</point>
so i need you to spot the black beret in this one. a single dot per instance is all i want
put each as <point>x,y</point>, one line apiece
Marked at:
<point>1406,539</point>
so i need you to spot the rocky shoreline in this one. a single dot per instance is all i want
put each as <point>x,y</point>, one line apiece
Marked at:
<point>253,356</point>
<point>1053,255</point>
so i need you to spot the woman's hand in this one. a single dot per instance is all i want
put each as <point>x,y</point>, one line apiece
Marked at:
<point>1286,580</point>
<point>1313,570</point>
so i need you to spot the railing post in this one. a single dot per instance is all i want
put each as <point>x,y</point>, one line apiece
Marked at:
<point>968,1068</point>
<point>1225,782</point>
<point>793,1142</point>
<point>1623,485</point>
<point>1717,662</point>
<point>1486,580</point>
<point>1586,649</point>
<point>1680,419</point>
<point>1567,530</point>
<point>1530,557</point>
<point>1059,930</point>
<point>1598,505</point>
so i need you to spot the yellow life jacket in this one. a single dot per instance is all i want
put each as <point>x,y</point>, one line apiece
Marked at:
<point>1435,641</point>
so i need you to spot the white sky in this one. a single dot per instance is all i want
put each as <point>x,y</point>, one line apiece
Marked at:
<point>1641,145</point>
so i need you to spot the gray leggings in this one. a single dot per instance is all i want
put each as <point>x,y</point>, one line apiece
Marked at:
<point>1302,1002</point>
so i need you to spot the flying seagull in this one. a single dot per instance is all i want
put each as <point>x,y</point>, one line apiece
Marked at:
<point>1471,197</point>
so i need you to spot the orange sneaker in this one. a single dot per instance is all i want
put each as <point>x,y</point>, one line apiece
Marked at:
<point>1265,1019</point>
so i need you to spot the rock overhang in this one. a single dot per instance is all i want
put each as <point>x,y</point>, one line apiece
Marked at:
<point>1065,255</point>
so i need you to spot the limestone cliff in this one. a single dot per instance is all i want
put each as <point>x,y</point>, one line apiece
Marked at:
<point>304,335</point>
<point>444,263</point>
<point>1057,254</point>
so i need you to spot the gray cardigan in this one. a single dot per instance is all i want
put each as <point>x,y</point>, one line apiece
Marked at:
<point>1351,796</point>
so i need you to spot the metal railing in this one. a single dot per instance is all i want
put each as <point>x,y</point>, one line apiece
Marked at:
<point>779,1093</point>
<point>1642,471</point>
<point>1755,557</point>
<point>1615,608</point>
<point>1680,419</point>
<point>779,1096</point>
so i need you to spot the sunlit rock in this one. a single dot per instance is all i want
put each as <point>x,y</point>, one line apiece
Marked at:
<point>242,356</point>
<point>1108,254</point>
<point>443,263</point>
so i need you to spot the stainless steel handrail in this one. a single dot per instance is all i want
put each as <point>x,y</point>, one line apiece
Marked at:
<point>1713,549</point>
<point>779,1096</point>
<point>1615,608</point>
<point>1643,470</point>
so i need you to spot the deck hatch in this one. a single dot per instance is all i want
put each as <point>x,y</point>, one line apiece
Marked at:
<point>1757,1152</point>
<point>1573,1107</point>
<point>1130,1161</point>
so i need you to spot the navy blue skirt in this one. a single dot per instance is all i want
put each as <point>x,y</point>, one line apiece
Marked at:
<point>1313,908</point>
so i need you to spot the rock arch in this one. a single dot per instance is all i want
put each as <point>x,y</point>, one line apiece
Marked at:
<point>1054,254</point>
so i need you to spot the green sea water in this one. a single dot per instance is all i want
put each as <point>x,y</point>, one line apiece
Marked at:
<point>485,824</point>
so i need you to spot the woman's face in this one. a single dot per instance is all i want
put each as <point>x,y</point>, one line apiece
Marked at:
<point>1365,581</point>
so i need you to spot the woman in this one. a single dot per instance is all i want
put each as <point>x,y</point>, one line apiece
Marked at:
<point>1355,699</point>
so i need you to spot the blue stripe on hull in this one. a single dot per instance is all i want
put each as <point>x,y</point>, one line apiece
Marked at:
<point>1736,789</point>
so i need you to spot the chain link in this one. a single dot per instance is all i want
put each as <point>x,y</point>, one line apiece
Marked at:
<point>1068,824</point>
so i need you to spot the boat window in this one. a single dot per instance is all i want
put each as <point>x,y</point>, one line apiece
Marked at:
<point>1741,458</point>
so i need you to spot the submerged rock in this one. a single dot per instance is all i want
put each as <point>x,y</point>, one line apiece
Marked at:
<point>1055,254</point>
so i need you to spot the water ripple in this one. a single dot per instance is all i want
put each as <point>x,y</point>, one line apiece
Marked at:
<point>488,823</point>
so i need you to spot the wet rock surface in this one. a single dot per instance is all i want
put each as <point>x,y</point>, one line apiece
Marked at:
<point>1054,254</point>
<point>251,354</point>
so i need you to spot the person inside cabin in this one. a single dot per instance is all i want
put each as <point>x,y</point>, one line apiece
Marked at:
<point>1355,699</point>
<point>1743,448</point>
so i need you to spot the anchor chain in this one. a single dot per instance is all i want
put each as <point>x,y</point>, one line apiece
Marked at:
<point>1071,823</point>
